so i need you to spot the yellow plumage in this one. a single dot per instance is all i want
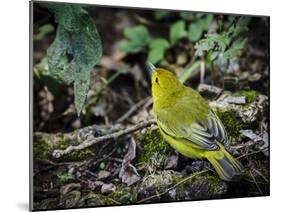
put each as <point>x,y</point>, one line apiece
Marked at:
<point>189,125</point>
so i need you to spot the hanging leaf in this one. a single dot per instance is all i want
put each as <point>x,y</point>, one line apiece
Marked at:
<point>75,50</point>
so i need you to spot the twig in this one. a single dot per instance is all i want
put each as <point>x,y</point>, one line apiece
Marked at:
<point>91,141</point>
<point>248,154</point>
<point>148,103</point>
<point>260,174</point>
<point>256,182</point>
<point>174,186</point>
<point>132,110</point>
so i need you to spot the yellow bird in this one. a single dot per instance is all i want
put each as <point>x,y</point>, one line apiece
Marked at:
<point>189,125</point>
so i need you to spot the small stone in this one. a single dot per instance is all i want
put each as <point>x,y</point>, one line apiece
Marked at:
<point>69,187</point>
<point>255,77</point>
<point>171,162</point>
<point>199,165</point>
<point>102,165</point>
<point>108,188</point>
<point>238,100</point>
<point>209,89</point>
<point>76,124</point>
<point>250,134</point>
<point>94,185</point>
<point>173,194</point>
<point>181,59</point>
<point>103,174</point>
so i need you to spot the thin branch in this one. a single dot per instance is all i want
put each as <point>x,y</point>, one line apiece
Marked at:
<point>92,141</point>
<point>258,187</point>
<point>132,110</point>
<point>260,174</point>
<point>251,153</point>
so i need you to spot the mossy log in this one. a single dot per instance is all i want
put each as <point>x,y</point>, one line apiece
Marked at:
<point>76,144</point>
<point>45,143</point>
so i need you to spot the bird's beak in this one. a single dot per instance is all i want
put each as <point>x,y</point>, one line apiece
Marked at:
<point>151,68</point>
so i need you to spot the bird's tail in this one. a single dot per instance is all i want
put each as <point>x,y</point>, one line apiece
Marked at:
<point>225,165</point>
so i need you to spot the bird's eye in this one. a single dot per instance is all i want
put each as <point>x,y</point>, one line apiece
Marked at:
<point>156,80</point>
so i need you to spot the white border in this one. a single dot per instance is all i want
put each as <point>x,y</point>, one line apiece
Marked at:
<point>14,88</point>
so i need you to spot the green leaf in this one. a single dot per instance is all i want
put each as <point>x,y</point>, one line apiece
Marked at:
<point>223,48</point>
<point>157,49</point>
<point>203,46</point>
<point>196,29</point>
<point>155,55</point>
<point>236,47</point>
<point>65,177</point>
<point>205,22</point>
<point>137,39</point>
<point>177,31</point>
<point>220,41</point>
<point>159,43</point>
<point>130,47</point>
<point>78,38</point>
<point>137,33</point>
<point>194,32</point>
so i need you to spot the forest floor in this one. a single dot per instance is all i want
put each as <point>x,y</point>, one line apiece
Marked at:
<point>138,166</point>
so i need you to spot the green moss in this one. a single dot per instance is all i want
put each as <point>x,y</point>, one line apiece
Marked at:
<point>41,148</point>
<point>250,95</point>
<point>92,199</point>
<point>155,148</point>
<point>121,195</point>
<point>203,184</point>
<point>45,143</point>
<point>79,155</point>
<point>76,155</point>
<point>65,177</point>
<point>62,143</point>
<point>231,124</point>
<point>36,205</point>
<point>95,199</point>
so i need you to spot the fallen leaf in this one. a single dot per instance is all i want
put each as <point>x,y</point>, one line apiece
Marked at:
<point>128,172</point>
<point>172,162</point>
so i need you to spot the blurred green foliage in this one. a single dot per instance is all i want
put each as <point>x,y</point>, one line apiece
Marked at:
<point>157,49</point>
<point>43,30</point>
<point>137,38</point>
<point>196,28</point>
<point>75,50</point>
<point>177,31</point>
<point>222,48</point>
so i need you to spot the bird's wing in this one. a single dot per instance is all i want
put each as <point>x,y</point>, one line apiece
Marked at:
<point>201,135</point>
<point>216,127</point>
